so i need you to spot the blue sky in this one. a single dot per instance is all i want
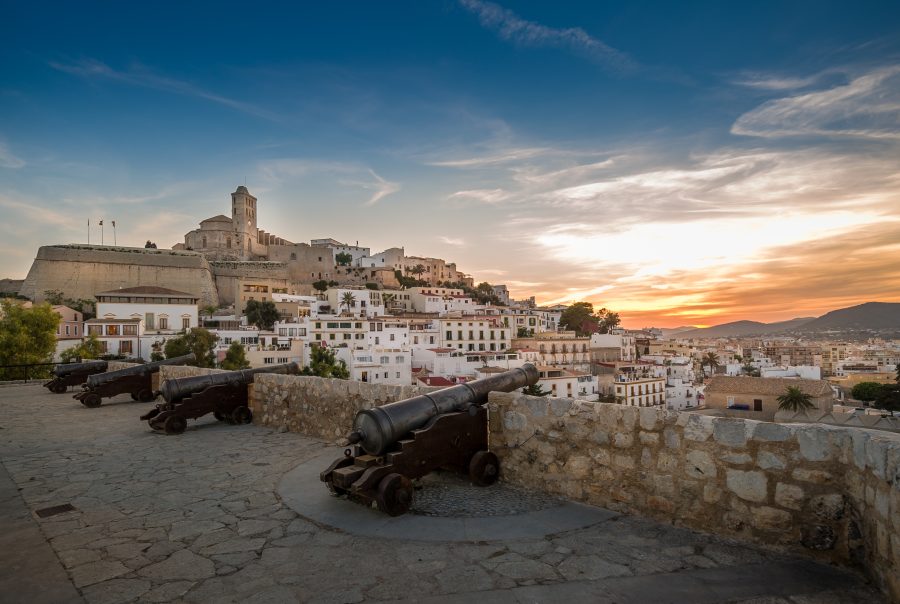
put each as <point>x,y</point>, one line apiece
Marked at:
<point>682,162</point>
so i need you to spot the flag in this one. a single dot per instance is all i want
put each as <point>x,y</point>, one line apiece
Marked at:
<point>114,223</point>
<point>101,223</point>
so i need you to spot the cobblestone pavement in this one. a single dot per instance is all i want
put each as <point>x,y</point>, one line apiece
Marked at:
<point>195,518</point>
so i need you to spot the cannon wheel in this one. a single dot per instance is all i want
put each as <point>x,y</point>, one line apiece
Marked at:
<point>144,395</point>
<point>484,468</point>
<point>175,424</point>
<point>220,416</point>
<point>395,494</point>
<point>91,400</point>
<point>58,388</point>
<point>134,396</point>
<point>242,415</point>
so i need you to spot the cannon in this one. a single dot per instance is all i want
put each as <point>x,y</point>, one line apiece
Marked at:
<point>137,381</point>
<point>399,442</point>
<point>73,374</point>
<point>222,394</point>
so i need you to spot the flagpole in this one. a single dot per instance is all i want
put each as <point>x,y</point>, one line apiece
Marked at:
<point>89,231</point>
<point>114,232</point>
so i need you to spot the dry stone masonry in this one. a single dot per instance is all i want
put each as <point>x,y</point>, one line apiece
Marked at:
<point>833,492</point>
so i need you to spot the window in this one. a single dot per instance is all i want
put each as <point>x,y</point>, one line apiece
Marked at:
<point>150,321</point>
<point>384,360</point>
<point>125,347</point>
<point>399,360</point>
<point>392,337</point>
<point>449,335</point>
<point>757,404</point>
<point>67,330</point>
<point>163,323</point>
<point>112,330</point>
<point>269,360</point>
<point>129,330</point>
<point>95,330</point>
<point>398,375</point>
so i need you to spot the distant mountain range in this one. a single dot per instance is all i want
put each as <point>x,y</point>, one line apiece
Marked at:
<point>868,316</point>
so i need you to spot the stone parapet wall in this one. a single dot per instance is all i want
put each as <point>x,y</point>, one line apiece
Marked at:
<point>171,372</point>
<point>833,492</point>
<point>116,365</point>
<point>834,418</point>
<point>323,408</point>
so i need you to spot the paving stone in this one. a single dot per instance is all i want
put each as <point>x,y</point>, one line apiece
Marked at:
<point>234,545</point>
<point>580,568</point>
<point>246,528</point>
<point>185,529</point>
<point>115,591</point>
<point>515,566</point>
<point>95,572</point>
<point>183,564</point>
<point>168,591</point>
<point>77,557</point>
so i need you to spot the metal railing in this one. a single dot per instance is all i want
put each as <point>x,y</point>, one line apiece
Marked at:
<point>27,372</point>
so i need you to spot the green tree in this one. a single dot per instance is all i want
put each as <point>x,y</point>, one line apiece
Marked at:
<point>535,390</point>
<point>388,300</point>
<point>795,400</point>
<point>348,300</point>
<point>262,314</point>
<point>580,318</point>
<point>608,321</point>
<point>866,391</point>
<point>750,370</point>
<point>343,259</point>
<point>889,398</point>
<point>199,341</point>
<point>323,364</point>
<point>524,332</point>
<point>235,358</point>
<point>54,297</point>
<point>90,348</point>
<point>418,269</point>
<point>321,285</point>
<point>27,336</point>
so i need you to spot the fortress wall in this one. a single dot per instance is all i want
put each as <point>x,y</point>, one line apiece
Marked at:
<point>305,263</point>
<point>228,272</point>
<point>830,492</point>
<point>82,271</point>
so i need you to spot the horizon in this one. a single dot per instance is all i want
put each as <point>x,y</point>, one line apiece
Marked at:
<point>681,165</point>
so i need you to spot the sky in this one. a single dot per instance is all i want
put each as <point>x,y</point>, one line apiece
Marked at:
<point>682,163</point>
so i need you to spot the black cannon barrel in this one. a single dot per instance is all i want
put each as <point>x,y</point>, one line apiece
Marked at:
<point>377,429</point>
<point>174,390</point>
<point>104,378</point>
<point>64,369</point>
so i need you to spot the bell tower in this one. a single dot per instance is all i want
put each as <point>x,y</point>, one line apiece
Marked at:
<point>243,216</point>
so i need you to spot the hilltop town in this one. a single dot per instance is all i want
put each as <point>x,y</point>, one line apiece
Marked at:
<point>399,319</point>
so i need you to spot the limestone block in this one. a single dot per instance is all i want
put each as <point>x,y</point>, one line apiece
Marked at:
<point>514,421</point>
<point>664,485</point>
<point>628,416</point>
<point>730,432</point>
<point>894,512</point>
<point>651,419</point>
<point>667,462</point>
<point>699,464</point>
<point>882,539</point>
<point>697,427</point>
<point>623,461</point>
<point>560,406</point>
<point>660,504</point>
<point>601,456</point>
<point>601,437</point>
<point>876,456</point>
<point>769,461</point>
<point>749,485</point>
<point>622,440</point>
<point>767,432</point>
<point>828,507</point>
<point>673,440</point>
<point>882,502</point>
<point>771,519</point>
<point>736,458</point>
<point>789,496</point>
<point>648,438</point>
<point>578,466</point>
<point>535,405</point>
<point>814,443</point>
<point>646,458</point>
<point>813,476</point>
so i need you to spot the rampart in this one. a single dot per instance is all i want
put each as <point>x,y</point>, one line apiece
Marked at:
<point>227,272</point>
<point>82,271</point>
<point>831,492</point>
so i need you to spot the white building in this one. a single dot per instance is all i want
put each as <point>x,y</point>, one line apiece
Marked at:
<point>806,372</point>
<point>356,252</point>
<point>566,383</point>
<point>473,333</point>
<point>604,345</point>
<point>119,336</point>
<point>162,314</point>
<point>366,302</point>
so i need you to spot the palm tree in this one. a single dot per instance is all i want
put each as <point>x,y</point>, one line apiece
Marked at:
<point>418,269</point>
<point>795,400</point>
<point>388,300</point>
<point>535,390</point>
<point>349,300</point>
<point>711,359</point>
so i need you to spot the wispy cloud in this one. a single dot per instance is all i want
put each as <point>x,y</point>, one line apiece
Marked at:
<point>483,161</point>
<point>8,159</point>
<point>512,28</point>
<point>865,107</point>
<point>140,76</point>
<point>489,196</point>
<point>764,81</point>
<point>381,188</point>
<point>453,241</point>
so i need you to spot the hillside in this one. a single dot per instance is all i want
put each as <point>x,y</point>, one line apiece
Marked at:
<point>737,329</point>
<point>871,315</point>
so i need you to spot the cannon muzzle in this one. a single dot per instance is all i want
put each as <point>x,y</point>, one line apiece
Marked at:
<point>104,378</point>
<point>175,390</point>
<point>377,429</point>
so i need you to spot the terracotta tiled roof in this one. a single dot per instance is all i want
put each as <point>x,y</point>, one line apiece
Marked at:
<point>768,386</point>
<point>436,381</point>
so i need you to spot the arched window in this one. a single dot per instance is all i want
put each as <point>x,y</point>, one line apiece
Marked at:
<point>293,255</point>
<point>203,242</point>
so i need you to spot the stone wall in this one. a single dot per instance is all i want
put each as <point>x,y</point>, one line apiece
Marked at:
<point>323,408</point>
<point>834,418</point>
<point>171,372</point>
<point>116,365</point>
<point>82,271</point>
<point>832,492</point>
